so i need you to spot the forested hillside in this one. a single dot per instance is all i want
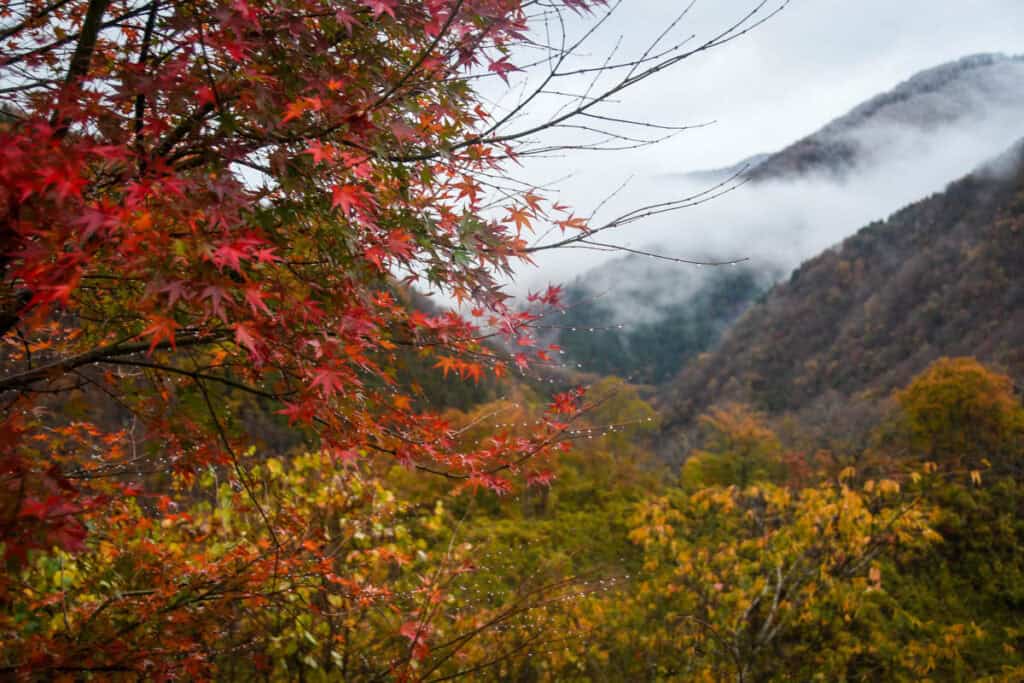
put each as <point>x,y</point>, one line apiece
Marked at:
<point>644,309</point>
<point>676,314</point>
<point>270,412</point>
<point>944,276</point>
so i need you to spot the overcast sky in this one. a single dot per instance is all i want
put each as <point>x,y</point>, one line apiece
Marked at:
<point>812,62</point>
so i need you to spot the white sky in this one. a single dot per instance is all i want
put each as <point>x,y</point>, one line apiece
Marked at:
<point>809,64</point>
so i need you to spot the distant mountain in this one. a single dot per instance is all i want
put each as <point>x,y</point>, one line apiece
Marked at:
<point>975,87</point>
<point>888,151</point>
<point>942,277</point>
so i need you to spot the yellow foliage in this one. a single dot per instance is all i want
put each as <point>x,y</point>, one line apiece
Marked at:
<point>959,411</point>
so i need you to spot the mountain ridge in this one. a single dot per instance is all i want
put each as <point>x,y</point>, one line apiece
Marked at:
<point>836,148</point>
<point>794,198</point>
<point>941,277</point>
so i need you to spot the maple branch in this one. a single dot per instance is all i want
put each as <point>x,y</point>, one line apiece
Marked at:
<point>215,590</point>
<point>522,605</point>
<point>243,478</point>
<point>113,668</point>
<point>147,37</point>
<point>39,14</point>
<point>57,368</point>
<point>81,58</point>
<point>183,129</point>
<point>723,187</point>
<point>11,317</point>
<point>64,40</point>
<point>673,259</point>
<point>195,374</point>
<point>490,137</point>
<point>422,58</point>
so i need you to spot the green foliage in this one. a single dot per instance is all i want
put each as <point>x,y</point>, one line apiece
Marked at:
<point>741,575</point>
<point>739,450</point>
<point>906,570</point>
<point>959,411</point>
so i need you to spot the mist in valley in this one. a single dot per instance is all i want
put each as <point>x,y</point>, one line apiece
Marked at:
<point>903,149</point>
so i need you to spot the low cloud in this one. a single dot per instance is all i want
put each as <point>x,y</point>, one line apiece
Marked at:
<point>777,224</point>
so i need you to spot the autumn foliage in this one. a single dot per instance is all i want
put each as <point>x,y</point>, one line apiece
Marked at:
<point>958,411</point>
<point>210,209</point>
<point>217,458</point>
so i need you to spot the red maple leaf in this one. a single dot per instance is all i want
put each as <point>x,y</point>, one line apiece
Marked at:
<point>230,255</point>
<point>376,256</point>
<point>380,7</point>
<point>320,152</point>
<point>328,380</point>
<point>349,197</point>
<point>502,67</point>
<point>298,412</point>
<point>400,244</point>
<point>447,364</point>
<point>175,290</point>
<point>346,20</point>
<point>294,110</point>
<point>247,338</point>
<point>254,296</point>
<point>160,329</point>
<point>65,180</point>
<point>520,217</point>
<point>216,295</point>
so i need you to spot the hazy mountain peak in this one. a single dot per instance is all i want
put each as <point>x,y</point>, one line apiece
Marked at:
<point>982,89</point>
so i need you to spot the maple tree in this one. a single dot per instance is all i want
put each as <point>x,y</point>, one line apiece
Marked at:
<point>213,206</point>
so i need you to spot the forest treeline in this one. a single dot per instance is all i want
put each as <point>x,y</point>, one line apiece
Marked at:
<point>763,558</point>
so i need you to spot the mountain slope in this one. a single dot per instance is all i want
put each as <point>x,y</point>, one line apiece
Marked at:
<point>984,86</point>
<point>942,277</point>
<point>890,150</point>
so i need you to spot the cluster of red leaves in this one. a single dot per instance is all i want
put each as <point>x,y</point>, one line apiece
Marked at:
<point>39,508</point>
<point>211,200</point>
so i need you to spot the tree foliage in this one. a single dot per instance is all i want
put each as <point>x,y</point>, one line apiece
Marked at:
<point>739,450</point>
<point>221,452</point>
<point>959,412</point>
<point>755,578</point>
<point>209,212</point>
